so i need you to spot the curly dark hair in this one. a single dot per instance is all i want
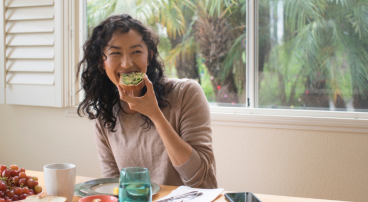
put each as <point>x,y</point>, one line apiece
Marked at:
<point>101,95</point>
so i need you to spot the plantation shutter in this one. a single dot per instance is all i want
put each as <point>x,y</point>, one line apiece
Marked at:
<point>33,52</point>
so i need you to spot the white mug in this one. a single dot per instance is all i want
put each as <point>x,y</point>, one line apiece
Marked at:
<point>60,179</point>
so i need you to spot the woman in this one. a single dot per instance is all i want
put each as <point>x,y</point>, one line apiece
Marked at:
<point>164,127</point>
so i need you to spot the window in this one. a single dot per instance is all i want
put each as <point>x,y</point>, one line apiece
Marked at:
<point>309,55</point>
<point>313,55</point>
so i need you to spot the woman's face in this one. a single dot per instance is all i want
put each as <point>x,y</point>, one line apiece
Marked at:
<point>126,52</point>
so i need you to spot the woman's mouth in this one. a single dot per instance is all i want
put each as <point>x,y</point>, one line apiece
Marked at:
<point>128,72</point>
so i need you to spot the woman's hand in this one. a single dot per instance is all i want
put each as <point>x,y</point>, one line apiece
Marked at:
<point>146,104</point>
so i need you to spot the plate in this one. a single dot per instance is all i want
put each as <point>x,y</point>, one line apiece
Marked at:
<point>104,186</point>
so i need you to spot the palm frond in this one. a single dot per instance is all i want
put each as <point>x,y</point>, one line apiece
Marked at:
<point>301,12</point>
<point>186,47</point>
<point>173,19</point>
<point>216,7</point>
<point>98,10</point>
<point>357,15</point>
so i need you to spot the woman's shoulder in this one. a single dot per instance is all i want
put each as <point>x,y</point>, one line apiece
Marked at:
<point>182,85</point>
<point>183,90</point>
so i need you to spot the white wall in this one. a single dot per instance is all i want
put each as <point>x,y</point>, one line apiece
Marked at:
<point>311,164</point>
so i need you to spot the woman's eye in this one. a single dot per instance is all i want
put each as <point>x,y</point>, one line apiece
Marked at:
<point>137,52</point>
<point>114,53</point>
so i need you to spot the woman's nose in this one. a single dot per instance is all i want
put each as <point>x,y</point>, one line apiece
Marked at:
<point>126,62</point>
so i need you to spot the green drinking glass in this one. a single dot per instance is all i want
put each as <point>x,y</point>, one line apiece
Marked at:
<point>135,185</point>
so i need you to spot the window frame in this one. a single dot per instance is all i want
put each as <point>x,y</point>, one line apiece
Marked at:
<point>250,116</point>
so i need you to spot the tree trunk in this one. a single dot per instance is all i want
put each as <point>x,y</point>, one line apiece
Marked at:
<point>213,36</point>
<point>315,95</point>
<point>339,103</point>
<point>186,65</point>
<point>360,101</point>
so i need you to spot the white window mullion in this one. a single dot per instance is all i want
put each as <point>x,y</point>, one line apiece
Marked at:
<point>256,54</point>
<point>73,51</point>
<point>82,39</point>
<point>251,64</point>
<point>2,53</point>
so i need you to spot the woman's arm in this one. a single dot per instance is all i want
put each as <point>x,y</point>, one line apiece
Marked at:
<point>190,151</point>
<point>178,150</point>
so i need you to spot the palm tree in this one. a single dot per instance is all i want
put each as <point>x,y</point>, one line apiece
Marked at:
<point>216,33</point>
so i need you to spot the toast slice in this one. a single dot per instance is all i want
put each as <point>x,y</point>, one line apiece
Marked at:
<point>48,198</point>
<point>132,81</point>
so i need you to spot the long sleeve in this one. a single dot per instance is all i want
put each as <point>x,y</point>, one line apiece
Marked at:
<point>108,164</point>
<point>195,129</point>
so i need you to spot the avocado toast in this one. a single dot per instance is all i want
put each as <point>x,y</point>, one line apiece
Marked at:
<point>132,81</point>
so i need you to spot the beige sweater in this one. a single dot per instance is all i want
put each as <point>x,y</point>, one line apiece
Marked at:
<point>133,146</point>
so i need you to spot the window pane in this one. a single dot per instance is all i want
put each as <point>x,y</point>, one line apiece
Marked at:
<point>313,54</point>
<point>199,39</point>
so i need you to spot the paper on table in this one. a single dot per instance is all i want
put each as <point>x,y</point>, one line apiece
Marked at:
<point>207,196</point>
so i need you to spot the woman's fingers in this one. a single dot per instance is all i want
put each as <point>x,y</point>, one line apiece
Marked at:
<point>148,83</point>
<point>124,95</point>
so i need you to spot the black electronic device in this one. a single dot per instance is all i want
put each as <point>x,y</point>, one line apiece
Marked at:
<point>241,197</point>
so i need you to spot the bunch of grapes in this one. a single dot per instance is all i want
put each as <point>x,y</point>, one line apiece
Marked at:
<point>15,185</point>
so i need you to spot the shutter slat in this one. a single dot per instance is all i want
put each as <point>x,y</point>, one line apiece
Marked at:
<point>30,26</point>
<point>30,13</point>
<point>36,95</point>
<point>30,66</point>
<point>30,52</point>
<point>40,39</point>
<point>30,78</point>
<point>23,3</point>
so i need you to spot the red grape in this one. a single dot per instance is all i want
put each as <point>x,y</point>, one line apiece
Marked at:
<point>31,192</point>
<point>22,182</point>
<point>2,194</point>
<point>16,179</point>
<point>18,191</point>
<point>15,198</point>
<point>38,189</point>
<point>22,175</point>
<point>26,190</point>
<point>30,183</point>
<point>9,193</point>
<point>8,200</point>
<point>2,200</point>
<point>35,183</point>
<point>2,186</point>
<point>2,168</point>
<point>6,173</point>
<point>22,170</point>
<point>23,196</point>
<point>14,167</point>
<point>14,173</point>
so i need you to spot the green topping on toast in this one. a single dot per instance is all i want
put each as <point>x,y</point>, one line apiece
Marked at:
<point>133,78</point>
